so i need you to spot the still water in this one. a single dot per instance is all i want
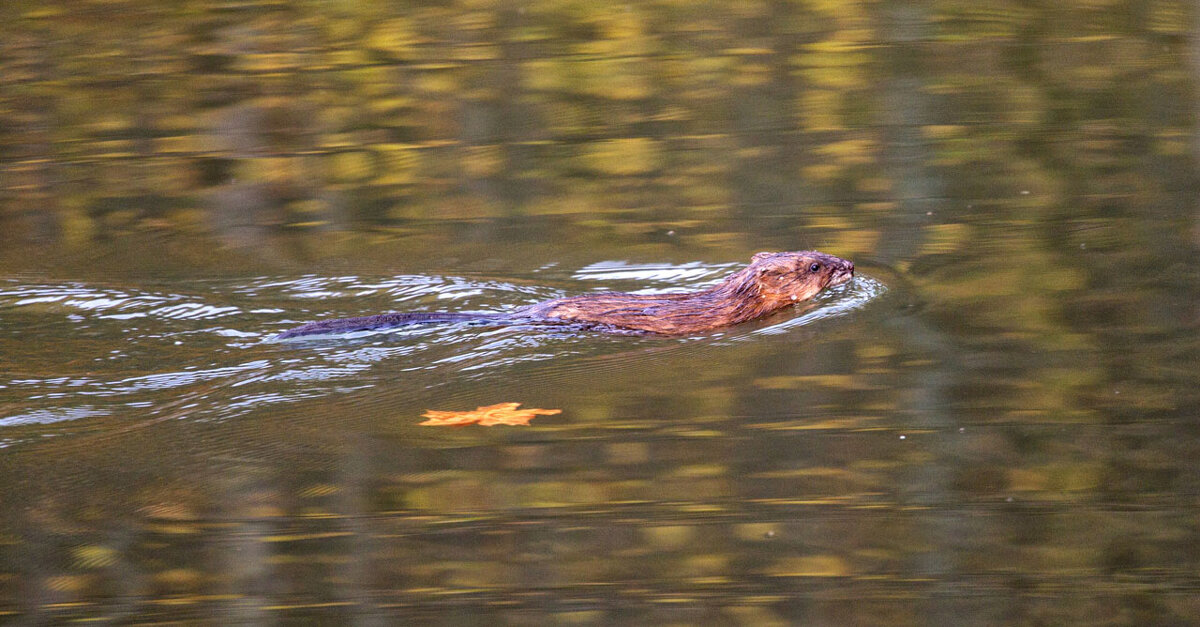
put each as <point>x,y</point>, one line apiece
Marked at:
<point>995,422</point>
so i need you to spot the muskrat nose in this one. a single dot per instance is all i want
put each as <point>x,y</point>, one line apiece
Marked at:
<point>850,267</point>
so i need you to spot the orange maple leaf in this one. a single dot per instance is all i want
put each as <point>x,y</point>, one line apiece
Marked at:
<point>488,416</point>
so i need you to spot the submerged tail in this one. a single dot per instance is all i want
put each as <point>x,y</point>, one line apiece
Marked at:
<point>385,321</point>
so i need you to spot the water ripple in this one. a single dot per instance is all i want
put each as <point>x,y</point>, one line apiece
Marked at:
<point>690,275</point>
<point>165,362</point>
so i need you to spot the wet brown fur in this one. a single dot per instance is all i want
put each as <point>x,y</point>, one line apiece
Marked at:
<point>771,281</point>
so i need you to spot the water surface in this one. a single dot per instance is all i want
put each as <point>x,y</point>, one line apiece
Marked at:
<point>994,423</point>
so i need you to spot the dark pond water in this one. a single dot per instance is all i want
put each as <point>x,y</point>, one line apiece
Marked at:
<point>996,422</point>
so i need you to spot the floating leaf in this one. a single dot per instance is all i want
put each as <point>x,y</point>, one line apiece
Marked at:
<point>488,416</point>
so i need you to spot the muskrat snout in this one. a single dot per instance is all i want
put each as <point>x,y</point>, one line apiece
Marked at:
<point>842,273</point>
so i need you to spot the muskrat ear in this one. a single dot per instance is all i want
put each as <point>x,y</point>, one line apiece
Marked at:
<point>760,256</point>
<point>771,263</point>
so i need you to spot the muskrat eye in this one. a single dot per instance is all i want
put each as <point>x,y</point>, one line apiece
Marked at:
<point>814,267</point>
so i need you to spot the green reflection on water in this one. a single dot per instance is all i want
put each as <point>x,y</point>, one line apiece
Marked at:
<point>1008,436</point>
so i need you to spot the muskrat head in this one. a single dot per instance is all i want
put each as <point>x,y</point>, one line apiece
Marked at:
<point>797,276</point>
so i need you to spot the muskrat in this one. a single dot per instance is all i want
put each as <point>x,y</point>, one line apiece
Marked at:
<point>771,281</point>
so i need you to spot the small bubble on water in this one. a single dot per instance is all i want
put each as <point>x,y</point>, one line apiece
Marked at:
<point>1024,192</point>
<point>903,437</point>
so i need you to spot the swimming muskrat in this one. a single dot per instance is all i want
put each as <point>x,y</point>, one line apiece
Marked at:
<point>771,281</point>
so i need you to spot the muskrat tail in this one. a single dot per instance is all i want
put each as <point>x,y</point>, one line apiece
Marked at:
<point>385,321</point>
